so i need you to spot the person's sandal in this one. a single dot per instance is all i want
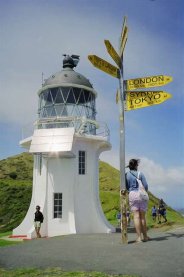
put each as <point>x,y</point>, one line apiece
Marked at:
<point>138,241</point>
<point>147,239</point>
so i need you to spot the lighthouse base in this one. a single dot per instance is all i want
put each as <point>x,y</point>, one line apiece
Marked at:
<point>66,187</point>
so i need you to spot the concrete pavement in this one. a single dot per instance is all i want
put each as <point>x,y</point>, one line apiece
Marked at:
<point>161,257</point>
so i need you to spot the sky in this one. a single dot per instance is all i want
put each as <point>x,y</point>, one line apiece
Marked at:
<point>35,34</point>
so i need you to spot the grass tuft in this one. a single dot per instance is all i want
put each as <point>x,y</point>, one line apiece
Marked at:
<point>52,272</point>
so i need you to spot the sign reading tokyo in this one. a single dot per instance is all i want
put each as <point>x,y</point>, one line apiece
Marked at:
<point>147,82</point>
<point>142,99</point>
<point>104,66</point>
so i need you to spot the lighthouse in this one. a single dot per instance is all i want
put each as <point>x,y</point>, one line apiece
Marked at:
<point>66,144</point>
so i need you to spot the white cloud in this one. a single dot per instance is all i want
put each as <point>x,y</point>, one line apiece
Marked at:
<point>162,177</point>
<point>111,157</point>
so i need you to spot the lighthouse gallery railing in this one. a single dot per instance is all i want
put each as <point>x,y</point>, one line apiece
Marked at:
<point>82,125</point>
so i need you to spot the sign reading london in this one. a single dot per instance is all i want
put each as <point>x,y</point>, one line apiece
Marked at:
<point>104,66</point>
<point>147,82</point>
<point>142,99</point>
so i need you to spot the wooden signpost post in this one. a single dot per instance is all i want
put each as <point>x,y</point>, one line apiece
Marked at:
<point>128,99</point>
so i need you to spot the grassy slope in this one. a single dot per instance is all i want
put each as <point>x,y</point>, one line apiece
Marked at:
<point>21,165</point>
<point>16,188</point>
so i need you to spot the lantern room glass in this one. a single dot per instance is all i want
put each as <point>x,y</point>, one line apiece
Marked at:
<point>67,101</point>
<point>63,102</point>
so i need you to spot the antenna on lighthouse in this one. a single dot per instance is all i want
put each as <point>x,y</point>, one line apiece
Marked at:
<point>42,78</point>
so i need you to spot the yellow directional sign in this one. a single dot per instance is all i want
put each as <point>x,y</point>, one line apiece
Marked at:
<point>112,52</point>
<point>124,36</point>
<point>142,99</point>
<point>147,82</point>
<point>104,66</point>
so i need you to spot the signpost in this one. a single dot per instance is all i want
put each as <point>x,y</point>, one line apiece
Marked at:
<point>134,100</point>
<point>142,99</point>
<point>147,82</point>
<point>123,192</point>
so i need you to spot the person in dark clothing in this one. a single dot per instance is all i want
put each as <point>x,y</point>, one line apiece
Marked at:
<point>162,211</point>
<point>38,220</point>
<point>154,213</point>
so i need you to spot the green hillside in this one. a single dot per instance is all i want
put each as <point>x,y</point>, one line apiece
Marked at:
<point>16,189</point>
<point>18,167</point>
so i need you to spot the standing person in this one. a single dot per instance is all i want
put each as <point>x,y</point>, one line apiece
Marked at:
<point>154,213</point>
<point>38,220</point>
<point>118,216</point>
<point>128,217</point>
<point>137,206</point>
<point>162,210</point>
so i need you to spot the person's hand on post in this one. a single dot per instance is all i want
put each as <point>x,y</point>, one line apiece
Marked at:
<point>123,192</point>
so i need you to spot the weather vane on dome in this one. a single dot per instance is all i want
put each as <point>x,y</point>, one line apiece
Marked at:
<point>70,61</point>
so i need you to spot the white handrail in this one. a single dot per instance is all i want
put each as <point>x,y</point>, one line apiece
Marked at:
<point>82,126</point>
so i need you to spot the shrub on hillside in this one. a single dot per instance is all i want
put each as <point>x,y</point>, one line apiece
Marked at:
<point>13,175</point>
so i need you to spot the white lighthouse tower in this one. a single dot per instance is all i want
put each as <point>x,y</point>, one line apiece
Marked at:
<point>66,145</point>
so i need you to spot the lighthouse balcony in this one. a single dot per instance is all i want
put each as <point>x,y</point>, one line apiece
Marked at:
<point>82,126</point>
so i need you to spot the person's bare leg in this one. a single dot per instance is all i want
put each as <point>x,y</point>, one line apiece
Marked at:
<point>39,236</point>
<point>137,224</point>
<point>159,218</point>
<point>37,229</point>
<point>143,225</point>
<point>37,233</point>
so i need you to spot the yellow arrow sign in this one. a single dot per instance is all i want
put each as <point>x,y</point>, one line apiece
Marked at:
<point>147,82</point>
<point>104,66</point>
<point>142,99</point>
<point>112,52</point>
<point>124,36</point>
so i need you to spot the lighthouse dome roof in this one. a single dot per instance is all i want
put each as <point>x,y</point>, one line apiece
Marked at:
<point>67,76</point>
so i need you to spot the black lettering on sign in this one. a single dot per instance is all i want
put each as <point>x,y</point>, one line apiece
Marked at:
<point>138,101</point>
<point>157,96</point>
<point>147,80</point>
<point>142,81</point>
<point>142,97</point>
<point>161,78</point>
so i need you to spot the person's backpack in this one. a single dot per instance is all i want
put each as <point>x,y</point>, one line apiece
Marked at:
<point>142,192</point>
